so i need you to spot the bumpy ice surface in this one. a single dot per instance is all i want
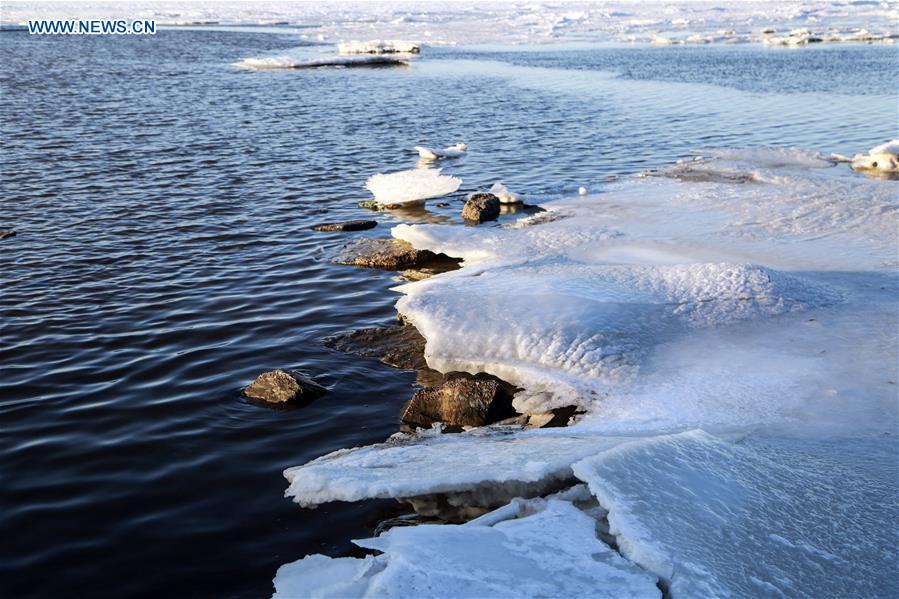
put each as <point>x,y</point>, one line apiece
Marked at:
<point>552,553</point>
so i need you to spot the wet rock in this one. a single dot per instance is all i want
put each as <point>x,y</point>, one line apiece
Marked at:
<point>4,233</point>
<point>281,386</point>
<point>418,274</point>
<point>459,403</point>
<point>350,225</point>
<point>400,346</point>
<point>370,204</point>
<point>441,204</point>
<point>481,207</point>
<point>392,254</point>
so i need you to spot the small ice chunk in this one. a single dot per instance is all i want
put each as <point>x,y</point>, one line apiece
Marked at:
<point>453,151</point>
<point>505,196</point>
<point>883,158</point>
<point>582,191</point>
<point>551,553</point>
<point>411,186</point>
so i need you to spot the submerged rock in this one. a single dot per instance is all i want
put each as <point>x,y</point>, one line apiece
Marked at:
<point>459,403</point>
<point>481,207</point>
<point>281,386</point>
<point>400,346</point>
<point>4,233</point>
<point>349,225</point>
<point>391,254</point>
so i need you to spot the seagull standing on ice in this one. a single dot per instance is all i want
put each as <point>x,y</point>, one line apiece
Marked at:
<point>448,152</point>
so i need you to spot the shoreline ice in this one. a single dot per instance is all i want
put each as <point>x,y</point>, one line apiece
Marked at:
<point>715,327</point>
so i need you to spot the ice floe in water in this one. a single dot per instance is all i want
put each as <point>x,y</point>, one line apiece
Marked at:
<point>505,196</point>
<point>453,151</point>
<point>411,186</point>
<point>764,517</point>
<point>553,552</point>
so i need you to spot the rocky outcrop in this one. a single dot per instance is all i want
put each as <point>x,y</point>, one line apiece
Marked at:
<point>283,387</point>
<point>481,207</point>
<point>350,225</point>
<point>4,233</point>
<point>459,403</point>
<point>391,254</point>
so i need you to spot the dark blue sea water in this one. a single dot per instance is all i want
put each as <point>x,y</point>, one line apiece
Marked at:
<point>162,199</point>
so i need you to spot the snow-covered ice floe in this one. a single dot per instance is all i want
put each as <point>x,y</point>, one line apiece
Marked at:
<point>415,185</point>
<point>761,310</point>
<point>453,151</point>
<point>505,196</point>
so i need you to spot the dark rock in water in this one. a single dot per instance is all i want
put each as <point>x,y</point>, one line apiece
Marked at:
<point>392,254</point>
<point>350,225</point>
<point>459,403</point>
<point>400,346</point>
<point>441,204</point>
<point>481,207</point>
<point>4,233</point>
<point>280,386</point>
<point>370,204</point>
